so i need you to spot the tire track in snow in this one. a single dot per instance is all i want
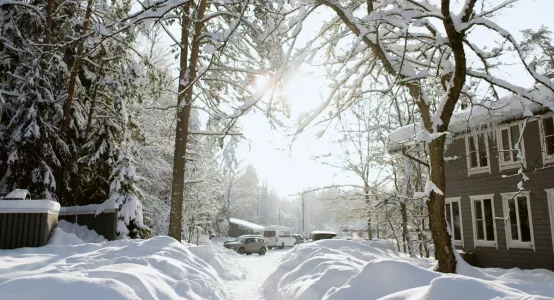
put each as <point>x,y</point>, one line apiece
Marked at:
<point>256,268</point>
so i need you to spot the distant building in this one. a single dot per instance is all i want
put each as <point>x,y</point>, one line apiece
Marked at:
<point>238,227</point>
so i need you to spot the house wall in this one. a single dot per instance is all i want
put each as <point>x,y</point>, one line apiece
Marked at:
<point>459,184</point>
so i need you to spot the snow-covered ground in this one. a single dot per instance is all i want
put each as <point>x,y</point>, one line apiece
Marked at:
<point>162,268</point>
<point>256,270</point>
<point>350,270</point>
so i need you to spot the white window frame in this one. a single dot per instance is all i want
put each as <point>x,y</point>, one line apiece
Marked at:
<point>550,197</point>
<point>507,224</point>
<point>545,157</point>
<point>510,165</point>
<point>477,170</point>
<point>450,201</point>
<point>476,242</point>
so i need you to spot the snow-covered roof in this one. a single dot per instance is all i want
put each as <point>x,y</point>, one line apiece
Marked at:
<point>93,209</point>
<point>246,224</point>
<point>29,206</point>
<point>478,116</point>
<point>21,194</point>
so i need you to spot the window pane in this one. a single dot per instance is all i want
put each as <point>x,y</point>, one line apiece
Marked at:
<point>524,219</point>
<point>513,219</point>
<point>472,153</point>
<point>489,225</point>
<point>514,132</point>
<point>550,145</point>
<point>480,230</point>
<point>548,126</point>
<point>478,220</point>
<point>457,221</point>
<point>483,161</point>
<point>506,145</point>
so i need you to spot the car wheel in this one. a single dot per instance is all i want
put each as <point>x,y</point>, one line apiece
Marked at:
<point>241,250</point>
<point>262,251</point>
<point>282,246</point>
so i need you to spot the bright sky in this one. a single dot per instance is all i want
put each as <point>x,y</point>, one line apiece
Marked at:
<point>289,168</point>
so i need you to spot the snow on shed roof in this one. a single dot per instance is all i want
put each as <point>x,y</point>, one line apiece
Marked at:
<point>246,224</point>
<point>29,206</point>
<point>478,116</point>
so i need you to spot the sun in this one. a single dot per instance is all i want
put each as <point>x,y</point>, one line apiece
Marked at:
<point>304,93</point>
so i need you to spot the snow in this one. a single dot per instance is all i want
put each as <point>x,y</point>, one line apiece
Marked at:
<point>479,116</point>
<point>350,270</point>
<point>158,268</point>
<point>246,224</point>
<point>162,268</point>
<point>67,233</point>
<point>29,206</point>
<point>17,194</point>
<point>255,270</point>
<point>92,209</point>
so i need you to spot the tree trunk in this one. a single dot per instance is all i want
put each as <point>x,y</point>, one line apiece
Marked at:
<point>405,234</point>
<point>48,29</point>
<point>437,220</point>
<point>75,70</point>
<point>183,114</point>
<point>368,202</point>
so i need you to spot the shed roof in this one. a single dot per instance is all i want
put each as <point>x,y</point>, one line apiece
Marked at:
<point>246,224</point>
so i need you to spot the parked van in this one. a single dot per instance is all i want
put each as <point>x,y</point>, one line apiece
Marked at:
<point>277,236</point>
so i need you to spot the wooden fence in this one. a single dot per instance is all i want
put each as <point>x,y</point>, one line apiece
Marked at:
<point>29,223</point>
<point>105,223</point>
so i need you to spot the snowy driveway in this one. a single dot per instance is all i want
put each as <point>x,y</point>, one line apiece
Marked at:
<point>256,268</point>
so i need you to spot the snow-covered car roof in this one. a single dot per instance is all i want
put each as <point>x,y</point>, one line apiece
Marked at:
<point>323,232</point>
<point>478,116</point>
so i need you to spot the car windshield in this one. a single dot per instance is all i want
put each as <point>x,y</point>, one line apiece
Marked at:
<point>240,240</point>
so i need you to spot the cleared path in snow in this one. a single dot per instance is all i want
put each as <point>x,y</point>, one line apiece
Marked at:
<point>257,268</point>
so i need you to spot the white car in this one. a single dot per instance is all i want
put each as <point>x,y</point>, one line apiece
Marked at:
<point>278,237</point>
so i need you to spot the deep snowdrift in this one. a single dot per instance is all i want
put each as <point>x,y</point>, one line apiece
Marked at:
<point>158,268</point>
<point>67,233</point>
<point>350,270</point>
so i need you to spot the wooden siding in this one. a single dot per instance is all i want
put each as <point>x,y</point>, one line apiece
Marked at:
<point>104,224</point>
<point>459,184</point>
<point>19,230</point>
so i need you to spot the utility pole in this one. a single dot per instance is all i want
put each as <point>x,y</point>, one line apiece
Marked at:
<point>303,221</point>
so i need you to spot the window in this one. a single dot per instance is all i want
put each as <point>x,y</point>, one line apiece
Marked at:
<point>547,138</point>
<point>519,225</point>
<point>477,150</point>
<point>454,219</point>
<point>510,146</point>
<point>269,234</point>
<point>484,227</point>
<point>284,234</point>
<point>550,196</point>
